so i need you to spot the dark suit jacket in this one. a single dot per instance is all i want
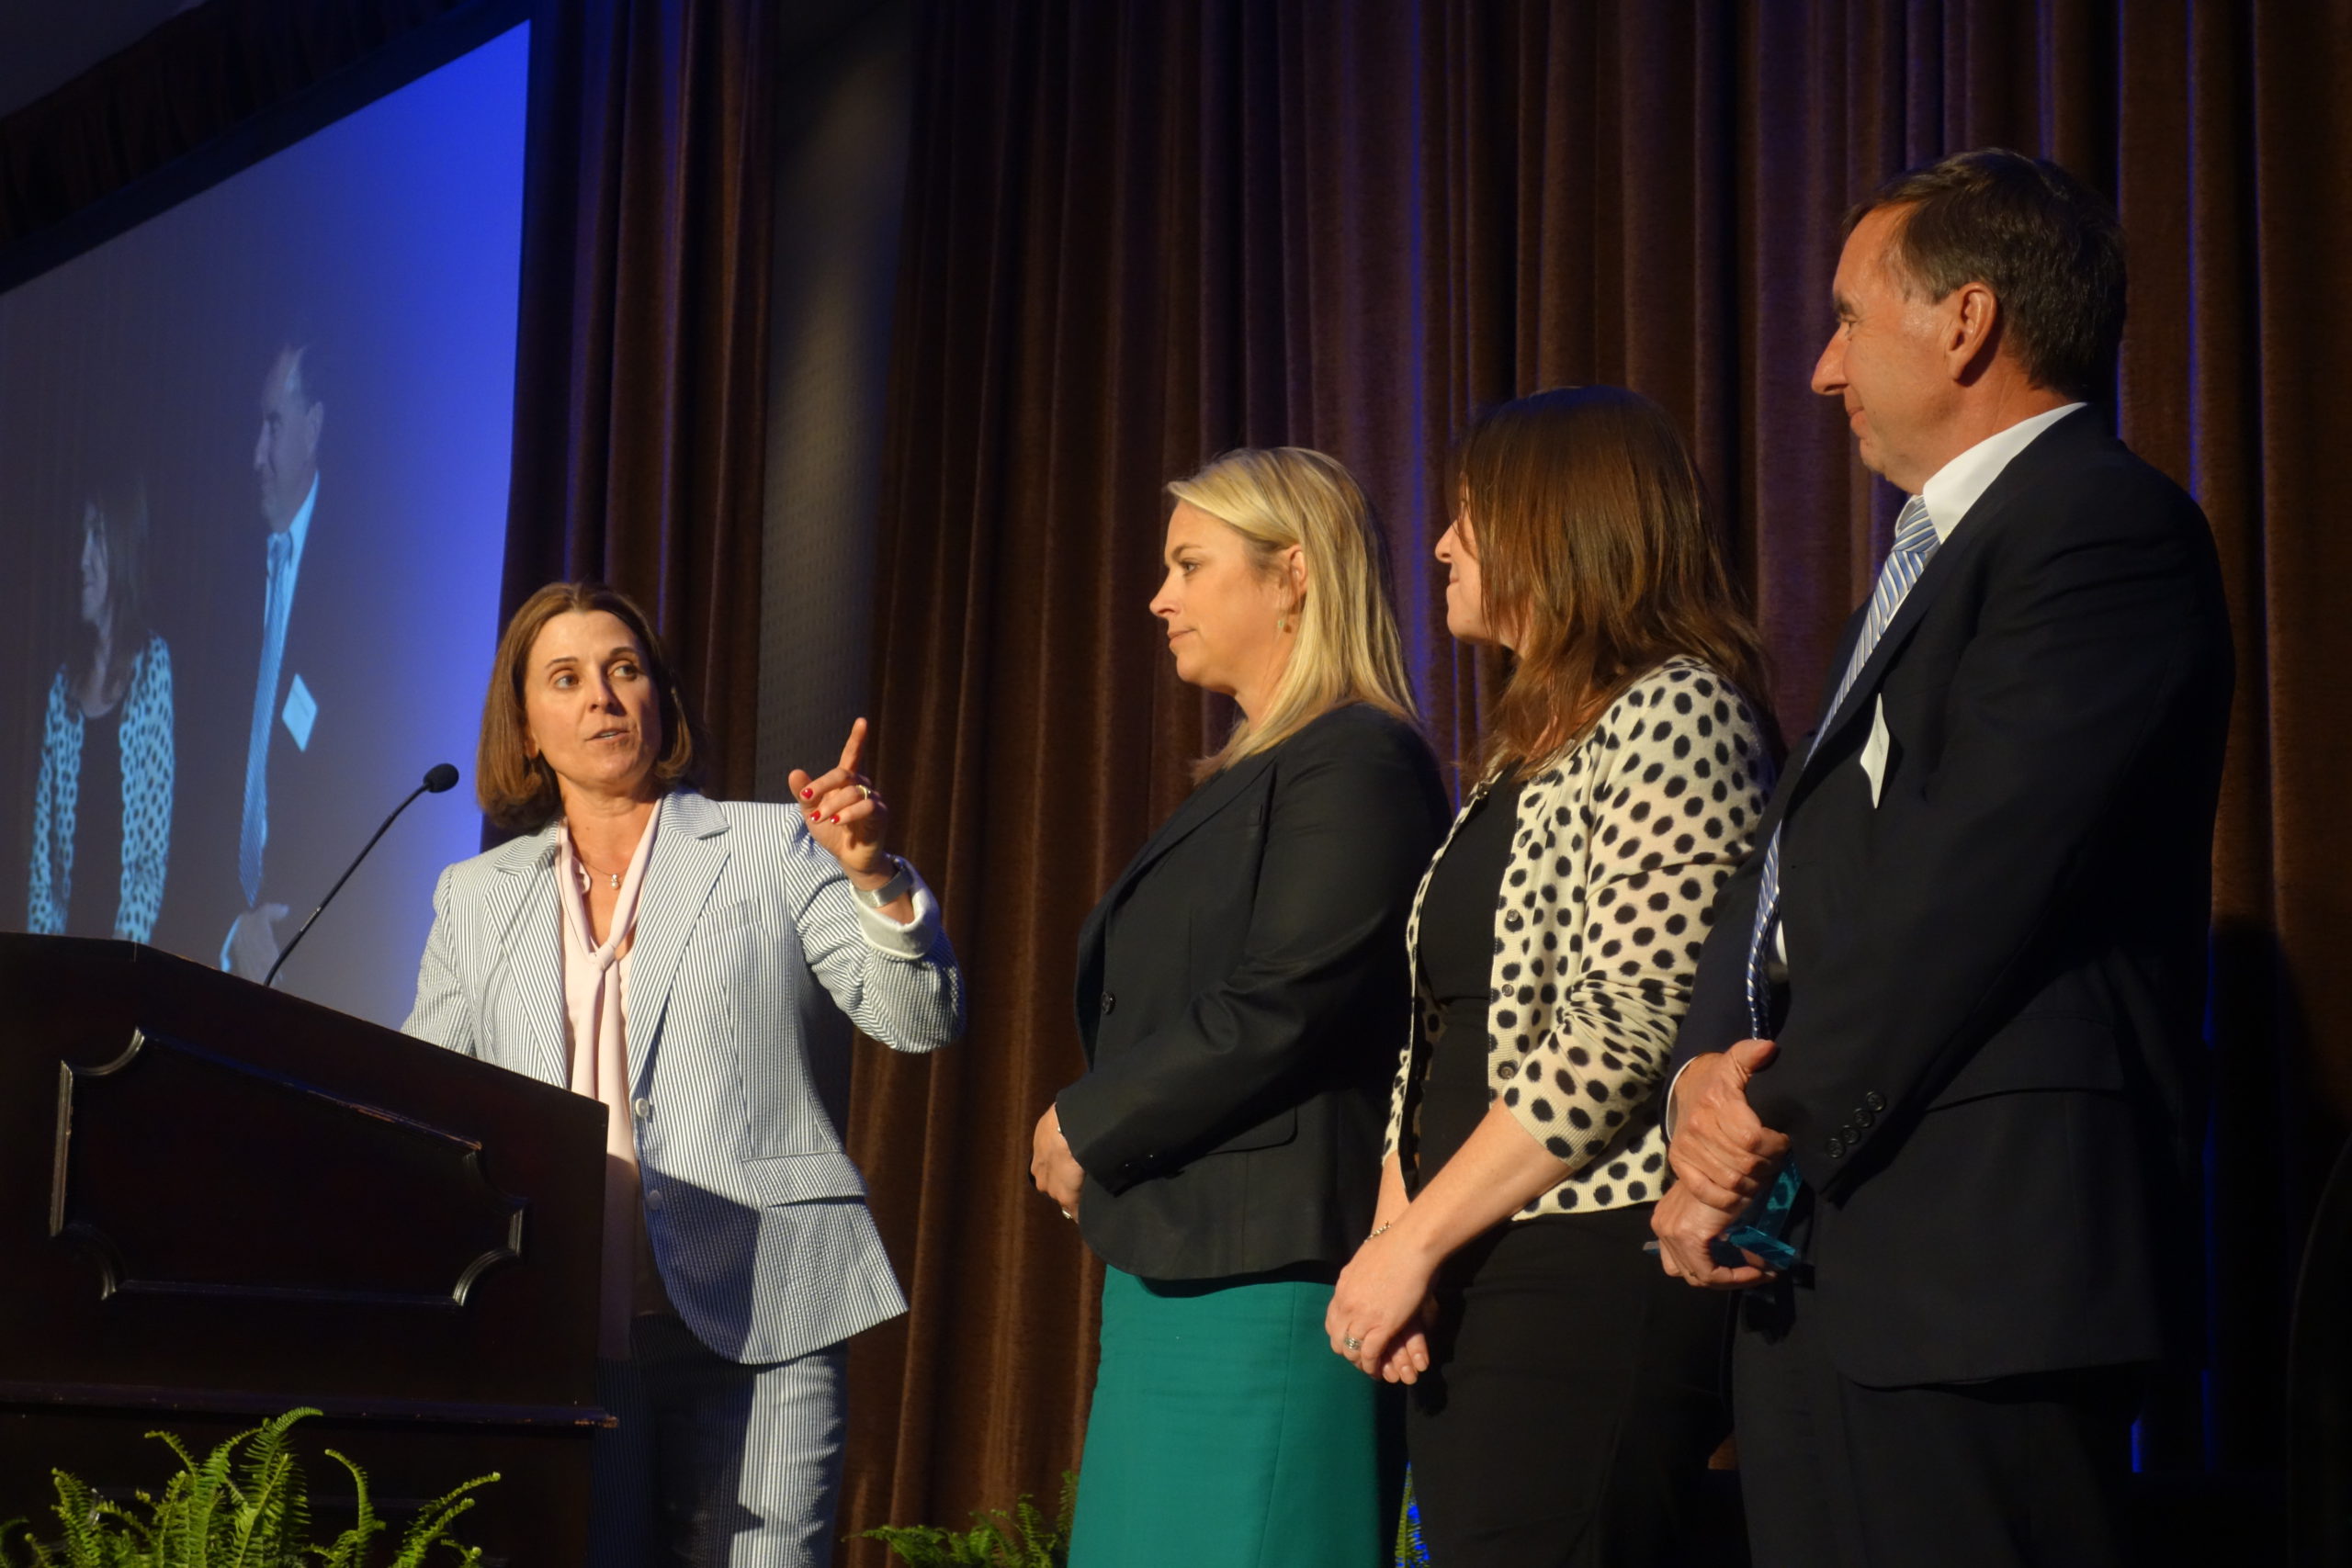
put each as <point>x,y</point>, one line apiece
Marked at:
<point>1242,992</point>
<point>1990,1055</point>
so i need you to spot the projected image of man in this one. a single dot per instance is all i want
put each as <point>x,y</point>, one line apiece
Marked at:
<point>286,465</point>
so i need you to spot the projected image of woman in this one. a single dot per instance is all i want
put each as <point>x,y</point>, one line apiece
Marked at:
<point>102,807</point>
<point>688,962</point>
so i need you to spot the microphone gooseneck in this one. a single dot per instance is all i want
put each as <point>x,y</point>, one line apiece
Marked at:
<point>441,777</point>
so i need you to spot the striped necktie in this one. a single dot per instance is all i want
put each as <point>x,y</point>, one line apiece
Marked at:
<point>252,834</point>
<point>1915,541</point>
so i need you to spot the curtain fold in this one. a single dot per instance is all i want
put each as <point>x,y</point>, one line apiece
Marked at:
<point>1137,234</point>
<point>641,360</point>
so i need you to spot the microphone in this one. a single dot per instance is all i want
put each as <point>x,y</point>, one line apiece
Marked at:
<point>440,778</point>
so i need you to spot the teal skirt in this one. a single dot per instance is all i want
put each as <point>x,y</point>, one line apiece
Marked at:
<point>1225,1433</point>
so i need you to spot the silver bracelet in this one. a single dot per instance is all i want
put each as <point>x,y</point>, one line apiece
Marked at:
<point>901,883</point>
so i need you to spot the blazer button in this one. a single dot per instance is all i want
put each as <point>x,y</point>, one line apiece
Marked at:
<point>1853,1135</point>
<point>1835,1147</point>
<point>1875,1100</point>
<point>1109,1001</point>
<point>1863,1117</point>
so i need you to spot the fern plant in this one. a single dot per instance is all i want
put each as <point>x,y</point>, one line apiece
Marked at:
<point>244,1504</point>
<point>1023,1538</point>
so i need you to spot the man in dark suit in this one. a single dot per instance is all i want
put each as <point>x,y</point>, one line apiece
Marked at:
<point>1939,1098</point>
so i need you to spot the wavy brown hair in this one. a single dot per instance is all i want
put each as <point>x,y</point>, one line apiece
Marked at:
<point>1590,531</point>
<point>517,790</point>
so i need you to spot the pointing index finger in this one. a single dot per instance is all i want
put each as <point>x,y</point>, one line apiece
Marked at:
<point>856,739</point>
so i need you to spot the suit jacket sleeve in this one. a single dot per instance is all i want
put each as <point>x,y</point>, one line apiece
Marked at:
<point>442,1013</point>
<point>910,996</point>
<point>2098,621</point>
<point>1350,825</point>
<point>1718,1016</point>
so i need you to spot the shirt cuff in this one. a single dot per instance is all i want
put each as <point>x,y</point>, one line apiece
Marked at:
<point>911,941</point>
<point>1667,1116</point>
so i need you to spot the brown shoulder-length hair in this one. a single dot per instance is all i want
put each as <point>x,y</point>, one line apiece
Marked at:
<point>517,790</point>
<point>1589,527</point>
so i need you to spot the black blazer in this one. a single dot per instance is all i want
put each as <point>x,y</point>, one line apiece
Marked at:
<point>1990,1053</point>
<point>1242,990</point>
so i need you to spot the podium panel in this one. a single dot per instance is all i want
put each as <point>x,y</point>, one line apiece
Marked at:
<point>218,1203</point>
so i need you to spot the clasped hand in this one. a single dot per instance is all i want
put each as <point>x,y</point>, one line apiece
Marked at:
<point>1051,1165</point>
<point>1383,1303</point>
<point>1722,1157</point>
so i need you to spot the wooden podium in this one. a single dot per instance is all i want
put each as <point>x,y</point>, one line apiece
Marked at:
<point>218,1203</point>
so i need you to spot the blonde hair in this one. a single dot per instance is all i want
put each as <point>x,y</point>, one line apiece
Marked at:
<point>1346,649</point>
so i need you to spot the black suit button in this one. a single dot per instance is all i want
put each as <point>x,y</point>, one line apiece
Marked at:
<point>1852,1136</point>
<point>1835,1147</point>
<point>1875,1100</point>
<point>1109,1001</point>
<point>1863,1117</point>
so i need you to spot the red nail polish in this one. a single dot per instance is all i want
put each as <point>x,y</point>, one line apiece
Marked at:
<point>834,817</point>
<point>807,794</point>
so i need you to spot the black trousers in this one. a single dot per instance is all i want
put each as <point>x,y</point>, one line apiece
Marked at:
<point>2011,1473</point>
<point>1574,1395</point>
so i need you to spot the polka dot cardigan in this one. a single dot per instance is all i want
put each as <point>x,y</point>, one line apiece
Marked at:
<point>1618,852</point>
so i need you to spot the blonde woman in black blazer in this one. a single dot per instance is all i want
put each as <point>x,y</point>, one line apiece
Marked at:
<point>1238,987</point>
<point>1564,1392</point>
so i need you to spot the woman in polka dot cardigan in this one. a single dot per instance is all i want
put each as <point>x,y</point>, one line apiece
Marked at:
<point>1565,1390</point>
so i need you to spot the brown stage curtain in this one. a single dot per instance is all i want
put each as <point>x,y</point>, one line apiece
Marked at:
<point>1139,233</point>
<point>641,362</point>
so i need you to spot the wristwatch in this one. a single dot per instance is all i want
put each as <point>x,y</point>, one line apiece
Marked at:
<point>901,883</point>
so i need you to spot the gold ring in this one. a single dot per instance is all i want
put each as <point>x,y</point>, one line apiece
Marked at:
<point>1067,1215</point>
<point>867,789</point>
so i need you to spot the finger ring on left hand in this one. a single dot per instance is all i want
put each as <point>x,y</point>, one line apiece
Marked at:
<point>867,789</point>
<point>1352,1343</point>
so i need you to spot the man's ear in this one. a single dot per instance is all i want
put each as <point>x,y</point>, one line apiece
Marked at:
<point>1972,329</point>
<point>316,419</point>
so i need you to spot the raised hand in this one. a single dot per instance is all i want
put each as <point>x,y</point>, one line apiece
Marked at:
<point>844,813</point>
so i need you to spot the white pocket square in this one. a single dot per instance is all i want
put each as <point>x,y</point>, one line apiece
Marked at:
<point>1874,752</point>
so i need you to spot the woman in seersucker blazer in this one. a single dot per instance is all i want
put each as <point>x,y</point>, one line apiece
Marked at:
<point>689,964</point>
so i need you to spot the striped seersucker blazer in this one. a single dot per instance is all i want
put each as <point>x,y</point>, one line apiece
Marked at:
<point>749,950</point>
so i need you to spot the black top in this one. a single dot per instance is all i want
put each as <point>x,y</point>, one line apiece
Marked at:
<point>1457,959</point>
<point>1241,993</point>
<point>98,829</point>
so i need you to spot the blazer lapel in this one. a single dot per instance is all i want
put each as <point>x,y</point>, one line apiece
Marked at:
<point>523,911</point>
<point>1198,808</point>
<point>1983,519</point>
<point>1212,796</point>
<point>688,855</point>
